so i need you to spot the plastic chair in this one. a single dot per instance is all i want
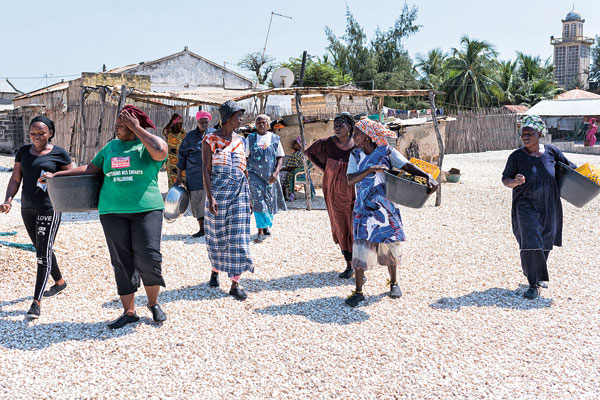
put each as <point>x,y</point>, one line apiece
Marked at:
<point>299,177</point>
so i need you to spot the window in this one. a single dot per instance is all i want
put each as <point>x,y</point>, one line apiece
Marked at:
<point>566,30</point>
<point>573,30</point>
<point>559,65</point>
<point>585,52</point>
<point>572,63</point>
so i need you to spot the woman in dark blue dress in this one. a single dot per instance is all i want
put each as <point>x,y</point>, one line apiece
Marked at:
<point>536,205</point>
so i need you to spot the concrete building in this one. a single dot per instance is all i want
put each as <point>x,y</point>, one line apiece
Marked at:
<point>186,70</point>
<point>572,54</point>
<point>7,94</point>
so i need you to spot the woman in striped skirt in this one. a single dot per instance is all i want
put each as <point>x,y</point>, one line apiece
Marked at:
<point>227,215</point>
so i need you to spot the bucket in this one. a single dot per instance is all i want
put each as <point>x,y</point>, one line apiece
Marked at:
<point>574,187</point>
<point>78,193</point>
<point>404,192</point>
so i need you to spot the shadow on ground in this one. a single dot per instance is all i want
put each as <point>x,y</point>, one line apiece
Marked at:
<point>31,335</point>
<point>204,292</point>
<point>494,297</point>
<point>328,310</point>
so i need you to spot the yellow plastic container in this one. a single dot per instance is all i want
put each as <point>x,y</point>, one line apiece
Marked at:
<point>431,169</point>
<point>590,171</point>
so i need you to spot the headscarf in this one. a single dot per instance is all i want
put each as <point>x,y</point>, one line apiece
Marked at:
<point>46,121</point>
<point>375,131</point>
<point>145,121</point>
<point>592,120</point>
<point>534,122</point>
<point>203,114</point>
<point>299,140</point>
<point>346,118</point>
<point>229,108</point>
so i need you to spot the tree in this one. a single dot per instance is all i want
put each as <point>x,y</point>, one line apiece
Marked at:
<point>470,70</point>
<point>508,81</point>
<point>595,64</point>
<point>362,60</point>
<point>261,66</point>
<point>317,72</point>
<point>431,68</point>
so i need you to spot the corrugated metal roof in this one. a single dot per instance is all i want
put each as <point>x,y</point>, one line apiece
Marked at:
<point>566,108</point>
<point>52,88</point>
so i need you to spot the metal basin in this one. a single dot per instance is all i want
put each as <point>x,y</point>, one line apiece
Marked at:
<point>176,202</point>
<point>78,193</point>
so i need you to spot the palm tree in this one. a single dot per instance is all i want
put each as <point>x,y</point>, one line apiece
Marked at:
<point>508,81</point>
<point>532,92</point>
<point>431,66</point>
<point>471,82</point>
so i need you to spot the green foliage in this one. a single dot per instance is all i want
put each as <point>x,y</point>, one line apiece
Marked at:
<point>317,72</point>
<point>364,61</point>
<point>595,64</point>
<point>431,67</point>
<point>471,80</point>
<point>261,66</point>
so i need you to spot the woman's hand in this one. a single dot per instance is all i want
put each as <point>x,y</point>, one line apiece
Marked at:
<point>432,184</point>
<point>5,207</point>
<point>519,180</point>
<point>212,205</point>
<point>47,175</point>
<point>129,120</point>
<point>378,168</point>
<point>273,177</point>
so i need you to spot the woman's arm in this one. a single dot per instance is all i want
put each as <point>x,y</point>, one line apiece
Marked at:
<point>513,182</point>
<point>315,154</point>
<point>66,167</point>
<point>90,169</point>
<point>356,177</point>
<point>13,187</point>
<point>416,171</point>
<point>275,173</point>
<point>157,148</point>
<point>206,174</point>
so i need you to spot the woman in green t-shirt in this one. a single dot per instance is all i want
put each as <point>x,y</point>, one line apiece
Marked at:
<point>131,209</point>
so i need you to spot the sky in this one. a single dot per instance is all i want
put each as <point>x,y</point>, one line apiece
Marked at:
<point>63,38</point>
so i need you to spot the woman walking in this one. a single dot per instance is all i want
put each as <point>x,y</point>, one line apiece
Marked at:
<point>332,155</point>
<point>536,206</point>
<point>174,135</point>
<point>39,218</point>
<point>131,210</point>
<point>378,231</point>
<point>265,158</point>
<point>227,216</point>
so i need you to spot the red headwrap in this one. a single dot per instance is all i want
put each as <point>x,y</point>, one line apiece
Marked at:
<point>145,121</point>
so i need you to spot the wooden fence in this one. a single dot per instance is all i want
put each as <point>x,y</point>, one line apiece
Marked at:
<point>481,130</point>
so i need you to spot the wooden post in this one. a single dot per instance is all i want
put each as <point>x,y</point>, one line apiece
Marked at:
<point>308,180</point>
<point>83,128</point>
<point>125,91</point>
<point>438,196</point>
<point>338,100</point>
<point>381,99</point>
<point>100,117</point>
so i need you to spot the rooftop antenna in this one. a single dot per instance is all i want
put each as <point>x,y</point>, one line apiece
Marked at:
<point>269,30</point>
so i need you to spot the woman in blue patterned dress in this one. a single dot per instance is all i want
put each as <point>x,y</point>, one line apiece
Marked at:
<point>265,158</point>
<point>377,225</point>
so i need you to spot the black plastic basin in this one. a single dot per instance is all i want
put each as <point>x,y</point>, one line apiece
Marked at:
<point>574,187</point>
<point>74,193</point>
<point>405,192</point>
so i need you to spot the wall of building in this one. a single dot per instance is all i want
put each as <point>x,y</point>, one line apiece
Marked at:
<point>7,98</point>
<point>186,71</point>
<point>326,105</point>
<point>11,131</point>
